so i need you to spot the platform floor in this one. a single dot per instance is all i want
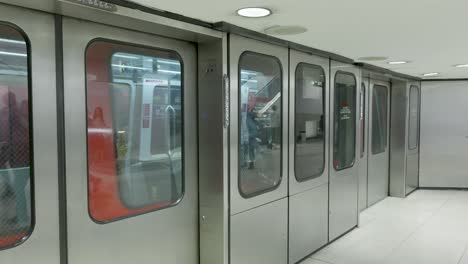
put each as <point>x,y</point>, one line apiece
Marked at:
<point>428,227</point>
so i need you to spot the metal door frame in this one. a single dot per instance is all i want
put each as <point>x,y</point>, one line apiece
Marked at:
<point>348,216</point>
<point>410,152</point>
<point>363,161</point>
<point>42,245</point>
<point>103,238</point>
<point>239,45</point>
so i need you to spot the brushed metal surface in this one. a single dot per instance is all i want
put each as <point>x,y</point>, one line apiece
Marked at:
<point>42,247</point>
<point>412,158</point>
<point>260,235</point>
<point>344,184</point>
<point>365,82</point>
<point>444,132</point>
<point>239,45</point>
<point>213,154</point>
<point>308,222</point>
<point>167,236</point>
<point>378,164</point>
<point>398,138</point>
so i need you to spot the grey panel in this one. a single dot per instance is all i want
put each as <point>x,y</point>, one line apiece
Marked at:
<point>363,157</point>
<point>444,134</point>
<point>42,247</point>
<point>145,238</point>
<point>260,235</point>
<point>308,222</point>
<point>412,160</point>
<point>398,138</point>
<point>412,172</point>
<point>213,158</point>
<point>344,184</point>
<point>378,164</point>
<point>239,45</point>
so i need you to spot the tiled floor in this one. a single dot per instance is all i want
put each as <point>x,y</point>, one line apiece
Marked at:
<point>428,227</point>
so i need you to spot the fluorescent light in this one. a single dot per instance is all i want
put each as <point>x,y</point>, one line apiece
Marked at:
<point>397,62</point>
<point>12,41</point>
<point>125,56</point>
<point>168,62</point>
<point>461,65</point>
<point>166,71</point>
<point>13,54</point>
<point>254,12</point>
<point>131,67</point>
<point>430,74</point>
<point>248,73</point>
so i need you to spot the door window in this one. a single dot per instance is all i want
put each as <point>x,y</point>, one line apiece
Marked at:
<point>260,125</point>
<point>379,119</point>
<point>362,119</point>
<point>344,139</point>
<point>135,129</point>
<point>16,185</point>
<point>414,118</point>
<point>309,141</point>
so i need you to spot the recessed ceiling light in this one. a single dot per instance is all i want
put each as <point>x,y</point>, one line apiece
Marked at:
<point>285,30</point>
<point>461,65</point>
<point>254,12</point>
<point>397,62</point>
<point>430,74</point>
<point>373,58</point>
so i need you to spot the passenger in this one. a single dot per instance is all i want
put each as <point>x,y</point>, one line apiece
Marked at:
<point>275,117</point>
<point>252,127</point>
<point>8,218</point>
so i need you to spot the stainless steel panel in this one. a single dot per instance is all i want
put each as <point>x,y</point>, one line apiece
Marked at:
<point>42,247</point>
<point>364,156</point>
<point>142,239</point>
<point>260,235</point>
<point>239,45</point>
<point>444,134</point>
<point>344,184</point>
<point>308,222</point>
<point>398,138</point>
<point>297,58</point>
<point>213,158</point>
<point>412,160</point>
<point>378,164</point>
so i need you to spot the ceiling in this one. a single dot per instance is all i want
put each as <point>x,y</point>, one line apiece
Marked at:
<point>429,33</point>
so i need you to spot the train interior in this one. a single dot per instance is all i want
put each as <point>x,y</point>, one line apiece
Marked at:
<point>236,133</point>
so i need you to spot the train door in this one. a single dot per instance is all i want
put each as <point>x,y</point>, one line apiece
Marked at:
<point>412,164</point>
<point>258,152</point>
<point>363,141</point>
<point>131,146</point>
<point>308,154</point>
<point>29,215</point>
<point>343,186</point>
<point>378,159</point>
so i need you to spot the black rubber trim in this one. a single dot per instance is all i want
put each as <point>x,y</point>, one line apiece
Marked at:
<point>61,153</point>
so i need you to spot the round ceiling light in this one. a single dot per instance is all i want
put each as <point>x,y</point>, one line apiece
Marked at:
<point>254,12</point>
<point>373,58</point>
<point>285,30</point>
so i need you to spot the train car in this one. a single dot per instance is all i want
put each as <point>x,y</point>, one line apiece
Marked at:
<point>134,134</point>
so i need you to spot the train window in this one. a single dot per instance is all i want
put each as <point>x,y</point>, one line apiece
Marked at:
<point>309,122</point>
<point>362,118</point>
<point>345,121</point>
<point>379,119</point>
<point>413,117</point>
<point>135,129</point>
<point>16,206</point>
<point>260,125</point>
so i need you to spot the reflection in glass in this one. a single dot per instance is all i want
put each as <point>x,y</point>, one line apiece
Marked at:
<point>345,121</point>
<point>413,117</point>
<point>379,119</point>
<point>15,173</point>
<point>309,122</point>
<point>135,150</point>
<point>260,112</point>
